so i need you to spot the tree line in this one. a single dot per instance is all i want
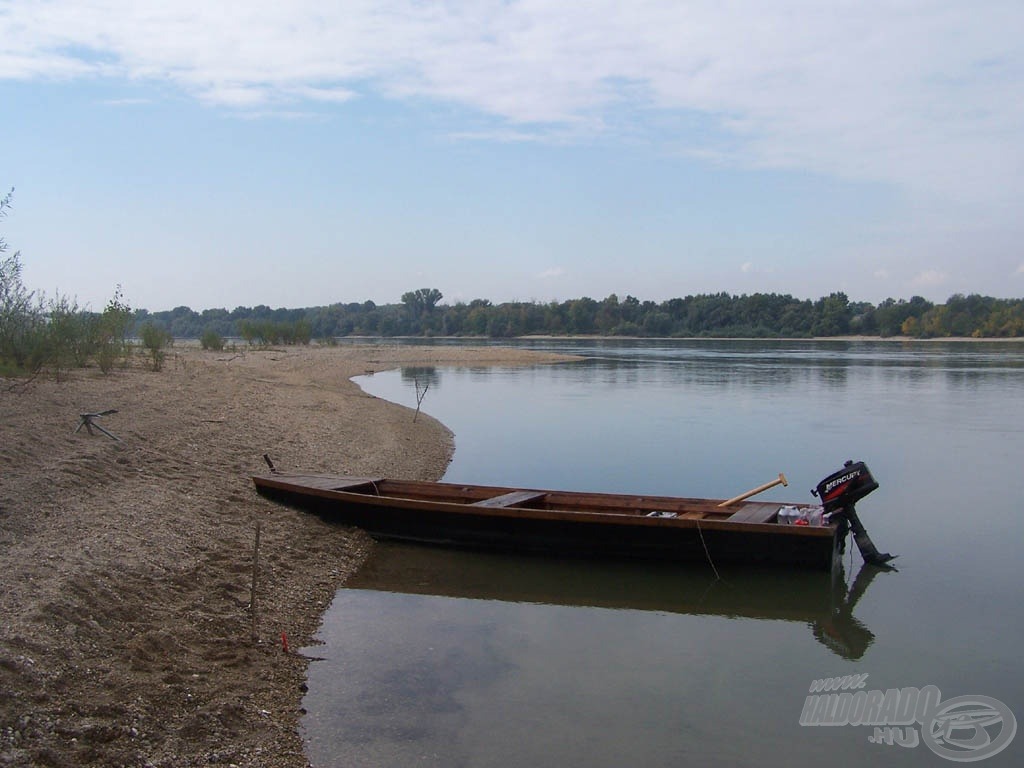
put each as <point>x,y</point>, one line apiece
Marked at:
<point>55,333</point>
<point>722,315</point>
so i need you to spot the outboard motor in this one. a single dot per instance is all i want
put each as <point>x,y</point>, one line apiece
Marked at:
<point>839,493</point>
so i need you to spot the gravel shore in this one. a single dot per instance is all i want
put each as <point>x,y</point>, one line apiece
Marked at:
<point>126,566</point>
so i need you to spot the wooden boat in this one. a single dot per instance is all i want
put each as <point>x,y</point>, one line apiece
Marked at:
<point>564,522</point>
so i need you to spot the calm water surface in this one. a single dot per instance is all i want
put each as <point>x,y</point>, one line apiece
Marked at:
<point>441,658</point>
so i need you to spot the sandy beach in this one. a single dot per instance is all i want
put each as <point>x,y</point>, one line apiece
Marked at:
<point>126,634</point>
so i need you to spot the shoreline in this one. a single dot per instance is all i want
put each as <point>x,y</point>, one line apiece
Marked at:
<point>884,339</point>
<point>485,340</point>
<point>127,565</point>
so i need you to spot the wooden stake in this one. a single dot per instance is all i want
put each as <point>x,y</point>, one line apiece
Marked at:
<point>254,613</point>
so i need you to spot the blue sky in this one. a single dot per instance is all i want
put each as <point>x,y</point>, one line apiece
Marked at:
<point>304,153</point>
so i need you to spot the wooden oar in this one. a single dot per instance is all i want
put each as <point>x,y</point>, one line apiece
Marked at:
<point>781,480</point>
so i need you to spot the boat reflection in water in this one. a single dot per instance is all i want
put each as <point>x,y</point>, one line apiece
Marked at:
<point>823,601</point>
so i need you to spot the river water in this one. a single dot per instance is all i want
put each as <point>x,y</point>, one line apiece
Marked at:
<point>441,658</point>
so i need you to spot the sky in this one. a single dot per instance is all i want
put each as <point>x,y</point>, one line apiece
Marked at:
<point>305,153</point>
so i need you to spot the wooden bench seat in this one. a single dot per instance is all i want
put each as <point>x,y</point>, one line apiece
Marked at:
<point>755,512</point>
<point>509,499</point>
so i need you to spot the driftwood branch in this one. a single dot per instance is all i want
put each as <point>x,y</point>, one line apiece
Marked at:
<point>420,394</point>
<point>24,383</point>
<point>87,420</point>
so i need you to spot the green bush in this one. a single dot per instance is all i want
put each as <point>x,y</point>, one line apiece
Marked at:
<point>212,340</point>
<point>112,332</point>
<point>154,340</point>
<point>35,333</point>
<point>70,335</point>
<point>263,333</point>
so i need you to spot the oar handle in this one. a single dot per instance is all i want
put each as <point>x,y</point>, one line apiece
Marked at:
<point>780,480</point>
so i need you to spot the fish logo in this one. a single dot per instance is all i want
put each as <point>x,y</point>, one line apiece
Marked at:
<point>969,728</point>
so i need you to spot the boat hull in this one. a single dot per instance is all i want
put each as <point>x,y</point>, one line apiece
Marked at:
<point>577,532</point>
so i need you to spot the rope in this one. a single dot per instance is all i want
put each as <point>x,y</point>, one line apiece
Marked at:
<point>706,553</point>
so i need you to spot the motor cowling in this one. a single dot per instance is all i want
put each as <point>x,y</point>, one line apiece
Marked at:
<point>846,487</point>
<point>839,494</point>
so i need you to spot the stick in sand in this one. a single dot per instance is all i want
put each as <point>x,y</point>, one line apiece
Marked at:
<point>255,579</point>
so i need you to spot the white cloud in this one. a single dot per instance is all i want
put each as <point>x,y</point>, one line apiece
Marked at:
<point>750,268</point>
<point>333,95</point>
<point>551,273</point>
<point>923,95</point>
<point>235,95</point>
<point>499,136</point>
<point>930,278</point>
<point>1020,269</point>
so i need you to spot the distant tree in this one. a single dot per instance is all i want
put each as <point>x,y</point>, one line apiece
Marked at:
<point>833,315</point>
<point>631,309</point>
<point>475,322</point>
<point>22,319</point>
<point>935,322</point>
<point>421,301</point>
<point>419,305</point>
<point>796,319</point>
<point>608,315</point>
<point>911,327</point>
<point>582,315</point>
<point>184,322</point>
<point>5,203</point>
<point>656,323</point>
